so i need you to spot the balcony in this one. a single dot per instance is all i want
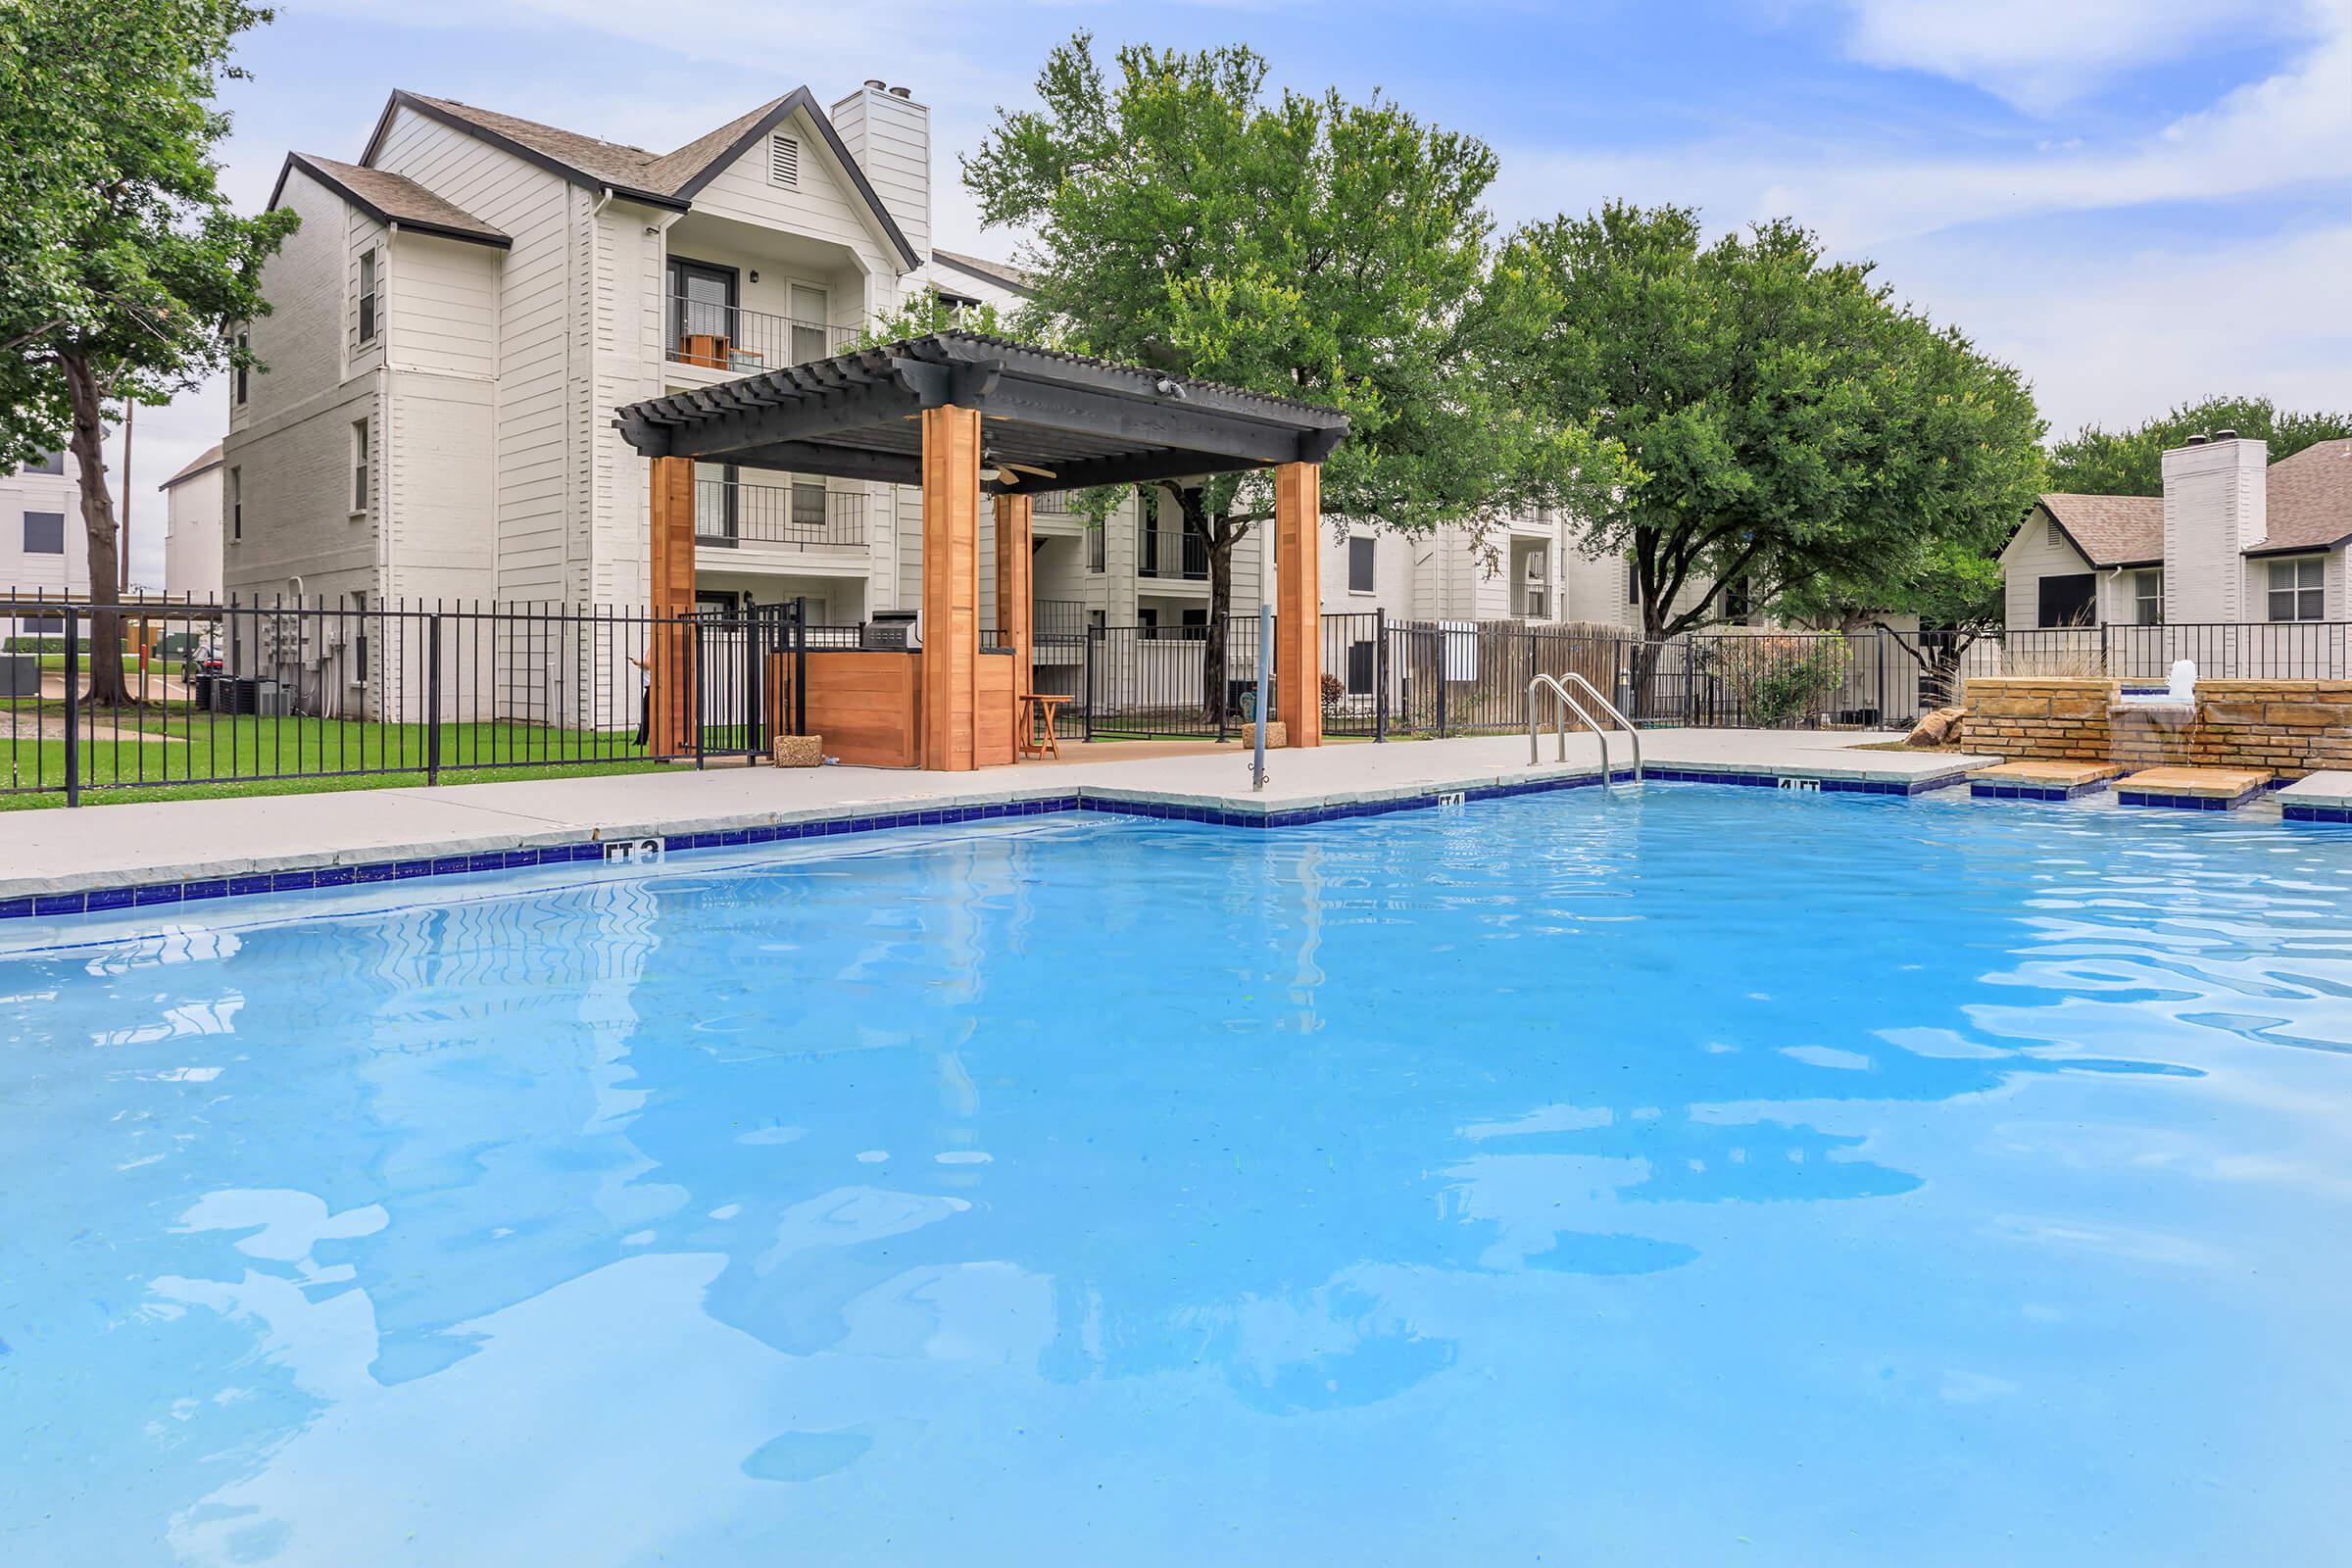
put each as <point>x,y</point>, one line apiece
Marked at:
<point>804,515</point>
<point>741,342</point>
<point>1171,554</point>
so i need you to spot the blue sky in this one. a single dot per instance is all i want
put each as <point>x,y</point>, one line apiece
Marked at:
<point>2138,202</point>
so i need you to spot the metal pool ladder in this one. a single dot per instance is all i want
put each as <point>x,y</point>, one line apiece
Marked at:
<point>1564,703</point>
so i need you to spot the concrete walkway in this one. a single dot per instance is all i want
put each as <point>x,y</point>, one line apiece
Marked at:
<point>60,852</point>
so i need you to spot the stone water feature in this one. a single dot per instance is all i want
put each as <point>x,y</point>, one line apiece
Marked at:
<point>2153,727</point>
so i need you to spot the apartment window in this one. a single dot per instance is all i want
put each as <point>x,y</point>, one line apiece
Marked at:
<point>2067,600</point>
<point>2297,589</point>
<point>1359,667</point>
<point>244,346</point>
<point>368,296</point>
<point>784,162</point>
<point>808,506</point>
<point>702,314</point>
<point>359,640</point>
<point>811,309</point>
<point>236,504</point>
<point>44,533</point>
<point>1632,583</point>
<point>359,466</point>
<point>1097,551</point>
<point>1737,604</point>
<point>1149,622</point>
<point>1360,565</point>
<point>51,462</point>
<point>1536,605</point>
<point>2147,597</point>
<point>1196,625</point>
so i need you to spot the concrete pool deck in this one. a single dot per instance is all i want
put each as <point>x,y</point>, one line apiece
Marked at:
<point>57,861</point>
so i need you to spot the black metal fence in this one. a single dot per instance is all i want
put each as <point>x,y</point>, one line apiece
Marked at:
<point>241,694</point>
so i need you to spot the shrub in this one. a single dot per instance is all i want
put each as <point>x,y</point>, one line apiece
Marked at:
<point>1779,681</point>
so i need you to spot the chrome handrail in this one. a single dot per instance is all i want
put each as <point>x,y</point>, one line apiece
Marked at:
<point>1633,732</point>
<point>1566,704</point>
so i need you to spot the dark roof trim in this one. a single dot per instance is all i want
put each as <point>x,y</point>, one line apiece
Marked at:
<point>802,100</point>
<point>2313,548</point>
<point>2088,559</point>
<point>402,98</point>
<point>406,225</point>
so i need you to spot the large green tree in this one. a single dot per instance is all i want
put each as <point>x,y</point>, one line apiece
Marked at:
<point>121,264</point>
<point>1186,217</point>
<point>1791,426</point>
<point>2131,463</point>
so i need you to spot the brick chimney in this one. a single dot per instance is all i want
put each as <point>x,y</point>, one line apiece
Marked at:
<point>2215,509</point>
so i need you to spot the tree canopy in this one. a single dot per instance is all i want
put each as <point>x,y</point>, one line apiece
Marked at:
<point>1187,219</point>
<point>2131,463</point>
<point>122,262</point>
<point>1790,424</point>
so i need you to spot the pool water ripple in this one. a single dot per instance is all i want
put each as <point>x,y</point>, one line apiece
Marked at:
<point>1687,1175</point>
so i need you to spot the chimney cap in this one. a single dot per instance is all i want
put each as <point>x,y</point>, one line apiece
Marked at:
<point>902,92</point>
<point>2225,435</point>
<point>875,82</point>
<point>2196,440</point>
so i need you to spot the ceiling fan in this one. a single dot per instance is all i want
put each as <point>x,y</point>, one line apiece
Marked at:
<point>1009,473</point>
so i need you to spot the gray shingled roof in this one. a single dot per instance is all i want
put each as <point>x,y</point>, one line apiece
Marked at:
<point>1002,274</point>
<point>392,199</point>
<point>2308,499</point>
<point>208,457</point>
<point>2111,530</point>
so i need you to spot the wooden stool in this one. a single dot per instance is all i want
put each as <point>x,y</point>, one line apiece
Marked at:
<point>1033,706</point>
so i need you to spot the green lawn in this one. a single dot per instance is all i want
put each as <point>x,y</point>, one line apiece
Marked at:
<point>181,753</point>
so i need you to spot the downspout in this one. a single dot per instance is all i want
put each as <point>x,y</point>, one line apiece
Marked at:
<point>571,426</point>
<point>388,442</point>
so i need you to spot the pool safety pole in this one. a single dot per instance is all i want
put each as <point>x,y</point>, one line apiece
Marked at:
<point>1265,662</point>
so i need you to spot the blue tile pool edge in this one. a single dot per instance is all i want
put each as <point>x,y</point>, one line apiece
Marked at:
<point>102,900</point>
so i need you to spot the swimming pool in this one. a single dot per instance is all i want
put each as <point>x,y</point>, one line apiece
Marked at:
<point>1689,1174</point>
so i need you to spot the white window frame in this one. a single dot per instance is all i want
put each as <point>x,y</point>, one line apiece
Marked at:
<point>362,454</point>
<point>2304,589</point>
<point>370,310</point>
<point>2147,596</point>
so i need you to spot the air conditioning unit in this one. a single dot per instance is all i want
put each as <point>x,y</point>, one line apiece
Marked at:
<point>245,694</point>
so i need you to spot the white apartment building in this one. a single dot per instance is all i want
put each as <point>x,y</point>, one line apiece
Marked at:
<point>2234,538</point>
<point>44,553</point>
<point>1532,567</point>
<point>194,543</point>
<point>463,308</point>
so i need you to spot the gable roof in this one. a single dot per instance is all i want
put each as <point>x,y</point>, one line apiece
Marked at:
<point>660,179</point>
<point>2308,500</point>
<point>203,463</point>
<point>390,198</point>
<point>2111,530</point>
<point>1002,274</point>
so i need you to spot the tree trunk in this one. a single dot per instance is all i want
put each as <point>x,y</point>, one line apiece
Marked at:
<point>1218,538</point>
<point>98,527</point>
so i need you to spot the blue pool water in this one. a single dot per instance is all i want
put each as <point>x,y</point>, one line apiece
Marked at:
<point>1694,1176</point>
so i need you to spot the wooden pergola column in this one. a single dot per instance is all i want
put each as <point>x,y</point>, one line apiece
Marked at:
<point>951,628</point>
<point>1299,602</point>
<point>1015,587</point>
<point>668,642</point>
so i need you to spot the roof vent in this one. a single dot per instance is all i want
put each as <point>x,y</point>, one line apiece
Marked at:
<point>2196,440</point>
<point>784,162</point>
<point>2225,435</point>
<point>902,92</point>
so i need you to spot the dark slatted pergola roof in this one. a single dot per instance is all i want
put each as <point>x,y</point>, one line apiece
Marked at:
<point>1088,422</point>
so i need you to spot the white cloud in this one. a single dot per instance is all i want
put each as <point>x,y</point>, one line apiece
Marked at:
<point>2042,57</point>
<point>2291,128</point>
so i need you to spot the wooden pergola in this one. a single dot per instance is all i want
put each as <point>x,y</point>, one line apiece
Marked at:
<point>963,416</point>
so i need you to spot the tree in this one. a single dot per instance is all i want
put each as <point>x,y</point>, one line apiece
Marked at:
<point>1308,247</point>
<point>2131,463</point>
<point>121,264</point>
<point>1789,426</point>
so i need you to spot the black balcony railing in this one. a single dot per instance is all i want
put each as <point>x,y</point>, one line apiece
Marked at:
<point>1171,553</point>
<point>803,516</point>
<point>1060,622</point>
<point>729,337</point>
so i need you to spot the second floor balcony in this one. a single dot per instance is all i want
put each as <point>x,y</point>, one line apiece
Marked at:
<point>745,342</point>
<point>1171,553</point>
<point>802,514</point>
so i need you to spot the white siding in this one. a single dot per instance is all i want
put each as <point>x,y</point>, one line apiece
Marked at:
<point>2038,551</point>
<point>439,464</point>
<point>541,436</point>
<point>824,206</point>
<point>891,138</point>
<point>291,440</point>
<point>193,539</point>
<point>44,573</point>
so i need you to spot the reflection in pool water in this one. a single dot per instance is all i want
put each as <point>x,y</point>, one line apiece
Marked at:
<point>1674,1177</point>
